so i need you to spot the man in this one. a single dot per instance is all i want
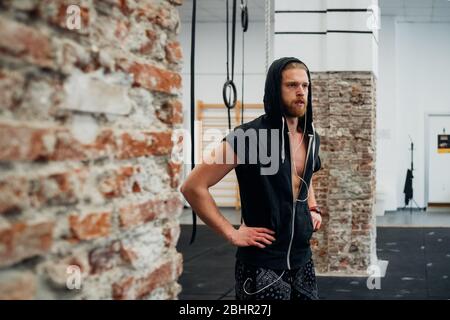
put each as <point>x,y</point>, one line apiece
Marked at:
<point>279,210</point>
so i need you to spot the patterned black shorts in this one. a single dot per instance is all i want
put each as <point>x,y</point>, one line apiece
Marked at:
<point>256,283</point>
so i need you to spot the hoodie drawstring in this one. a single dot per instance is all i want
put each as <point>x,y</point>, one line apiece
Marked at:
<point>314,145</point>
<point>282,141</point>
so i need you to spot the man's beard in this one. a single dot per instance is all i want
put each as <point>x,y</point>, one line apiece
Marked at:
<point>295,111</point>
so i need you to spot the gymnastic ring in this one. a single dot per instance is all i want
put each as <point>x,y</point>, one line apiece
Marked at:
<point>244,18</point>
<point>231,84</point>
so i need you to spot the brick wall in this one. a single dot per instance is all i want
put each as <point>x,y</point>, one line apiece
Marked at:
<point>86,178</point>
<point>344,115</point>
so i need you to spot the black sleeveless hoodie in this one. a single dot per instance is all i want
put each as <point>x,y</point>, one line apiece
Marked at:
<point>267,199</point>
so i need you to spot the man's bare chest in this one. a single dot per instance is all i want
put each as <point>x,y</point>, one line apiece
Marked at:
<point>299,150</point>
<point>298,155</point>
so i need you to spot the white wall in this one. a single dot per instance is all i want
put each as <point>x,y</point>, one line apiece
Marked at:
<point>423,84</point>
<point>386,162</point>
<point>412,84</point>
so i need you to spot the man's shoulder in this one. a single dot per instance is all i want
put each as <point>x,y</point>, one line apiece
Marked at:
<point>246,129</point>
<point>257,123</point>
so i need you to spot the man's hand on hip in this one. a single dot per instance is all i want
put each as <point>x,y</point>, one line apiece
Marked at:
<point>252,236</point>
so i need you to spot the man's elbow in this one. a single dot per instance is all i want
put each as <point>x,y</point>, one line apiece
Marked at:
<point>189,188</point>
<point>184,188</point>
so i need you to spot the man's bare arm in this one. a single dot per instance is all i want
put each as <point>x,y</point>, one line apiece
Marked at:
<point>317,218</point>
<point>196,191</point>
<point>311,196</point>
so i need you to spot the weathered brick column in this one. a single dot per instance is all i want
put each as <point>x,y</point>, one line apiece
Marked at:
<point>86,121</point>
<point>344,112</point>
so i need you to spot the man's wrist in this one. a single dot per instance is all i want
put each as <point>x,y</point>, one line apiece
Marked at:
<point>229,235</point>
<point>316,209</point>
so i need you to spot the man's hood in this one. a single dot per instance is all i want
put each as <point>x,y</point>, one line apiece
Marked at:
<point>272,95</point>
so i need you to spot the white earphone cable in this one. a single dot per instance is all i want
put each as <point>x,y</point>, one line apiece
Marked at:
<point>270,284</point>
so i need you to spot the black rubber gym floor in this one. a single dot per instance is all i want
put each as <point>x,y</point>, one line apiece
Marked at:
<point>419,267</point>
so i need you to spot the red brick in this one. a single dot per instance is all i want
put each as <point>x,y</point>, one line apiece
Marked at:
<point>111,256</point>
<point>11,88</point>
<point>174,170</point>
<point>105,258</point>
<point>171,112</point>
<point>122,30</point>
<point>163,15</point>
<point>25,143</point>
<point>121,289</point>
<point>145,143</point>
<point>112,185</point>
<point>25,42</point>
<point>161,275</point>
<point>128,255</point>
<point>122,5</point>
<point>18,192</point>
<point>57,188</point>
<point>131,145</point>
<point>136,187</point>
<point>156,79</point>
<point>67,147</point>
<point>17,285</point>
<point>72,55</point>
<point>178,264</point>
<point>173,52</point>
<point>90,226</point>
<point>149,45</point>
<point>23,240</point>
<point>177,114</point>
<point>138,288</point>
<point>12,195</point>
<point>176,2</point>
<point>133,215</point>
<point>171,236</point>
<point>21,142</point>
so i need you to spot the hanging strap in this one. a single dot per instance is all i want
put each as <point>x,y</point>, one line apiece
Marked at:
<point>268,32</point>
<point>229,93</point>
<point>244,24</point>
<point>194,7</point>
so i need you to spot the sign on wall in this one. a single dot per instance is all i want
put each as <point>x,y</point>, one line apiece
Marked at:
<point>443,143</point>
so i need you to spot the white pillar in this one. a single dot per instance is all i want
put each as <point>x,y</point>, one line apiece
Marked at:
<point>328,35</point>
